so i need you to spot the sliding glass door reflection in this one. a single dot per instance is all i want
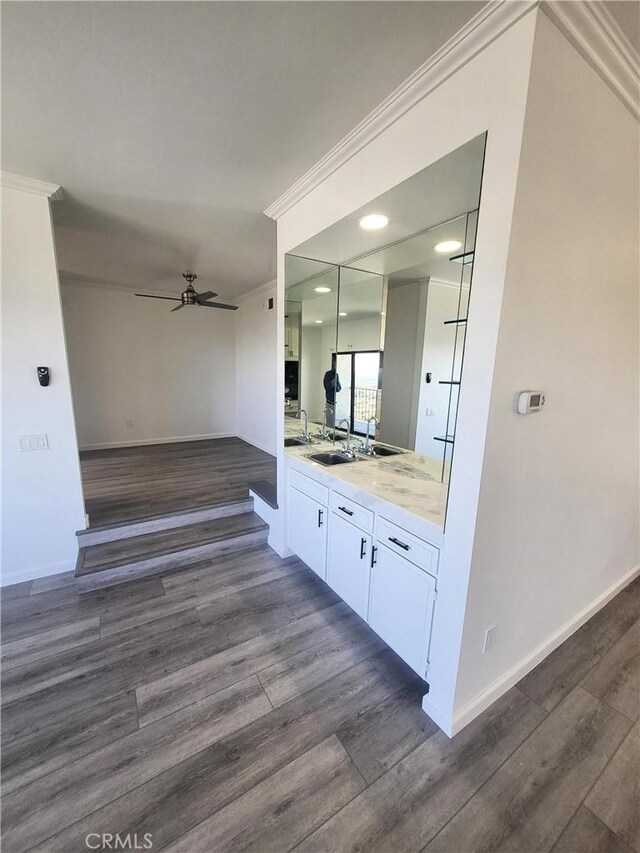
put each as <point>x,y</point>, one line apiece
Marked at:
<point>359,394</point>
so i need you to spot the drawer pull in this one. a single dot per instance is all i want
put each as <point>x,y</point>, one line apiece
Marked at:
<point>344,509</point>
<point>320,514</point>
<point>399,543</point>
<point>363,548</point>
<point>374,560</point>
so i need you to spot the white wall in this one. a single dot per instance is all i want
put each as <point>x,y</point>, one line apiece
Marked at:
<point>172,375</point>
<point>257,363</point>
<point>559,513</point>
<point>313,367</point>
<point>42,503</point>
<point>403,345</point>
<point>359,334</point>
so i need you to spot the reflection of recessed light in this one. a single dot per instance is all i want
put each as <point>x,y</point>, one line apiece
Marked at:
<point>448,246</point>
<point>322,289</point>
<point>342,314</point>
<point>317,321</point>
<point>374,221</point>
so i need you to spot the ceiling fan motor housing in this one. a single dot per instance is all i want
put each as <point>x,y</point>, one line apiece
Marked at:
<point>189,296</point>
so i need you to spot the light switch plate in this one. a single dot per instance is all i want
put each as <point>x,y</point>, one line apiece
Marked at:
<point>33,442</point>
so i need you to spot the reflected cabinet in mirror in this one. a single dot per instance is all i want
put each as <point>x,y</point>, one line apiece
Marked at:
<point>376,322</point>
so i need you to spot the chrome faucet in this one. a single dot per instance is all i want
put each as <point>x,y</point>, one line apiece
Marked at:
<point>322,432</point>
<point>346,447</point>
<point>305,432</point>
<point>367,446</point>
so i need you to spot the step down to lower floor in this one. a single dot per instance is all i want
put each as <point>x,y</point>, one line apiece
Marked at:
<point>112,532</point>
<point>119,561</point>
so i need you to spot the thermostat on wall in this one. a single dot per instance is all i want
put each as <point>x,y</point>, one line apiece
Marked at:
<point>530,401</point>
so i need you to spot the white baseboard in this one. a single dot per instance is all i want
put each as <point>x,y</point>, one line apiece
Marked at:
<point>46,571</point>
<point>488,696</point>
<point>140,442</point>
<point>437,714</point>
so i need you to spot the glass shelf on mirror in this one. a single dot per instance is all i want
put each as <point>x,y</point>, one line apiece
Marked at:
<point>464,259</point>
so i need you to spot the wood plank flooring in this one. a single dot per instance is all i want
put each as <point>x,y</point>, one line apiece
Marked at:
<point>131,483</point>
<point>238,705</point>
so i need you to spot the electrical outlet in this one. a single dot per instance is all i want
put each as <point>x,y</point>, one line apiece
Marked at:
<point>33,442</point>
<point>129,422</point>
<point>488,638</point>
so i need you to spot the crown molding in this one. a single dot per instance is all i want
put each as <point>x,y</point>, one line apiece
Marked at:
<point>487,25</point>
<point>600,40</point>
<point>80,281</point>
<point>31,185</point>
<point>588,25</point>
<point>258,291</point>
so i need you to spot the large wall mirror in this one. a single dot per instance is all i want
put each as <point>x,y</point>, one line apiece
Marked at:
<point>376,320</point>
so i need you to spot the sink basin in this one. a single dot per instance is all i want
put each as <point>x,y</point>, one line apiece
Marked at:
<point>297,442</point>
<point>379,450</point>
<point>330,458</point>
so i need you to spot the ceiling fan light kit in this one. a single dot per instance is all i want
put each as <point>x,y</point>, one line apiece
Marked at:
<point>191,297</point>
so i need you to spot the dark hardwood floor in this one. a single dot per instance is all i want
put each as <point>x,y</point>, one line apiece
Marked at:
<point>131,483</point>
<point>242,706</point>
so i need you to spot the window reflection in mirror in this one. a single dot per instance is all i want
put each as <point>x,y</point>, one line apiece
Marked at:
<point>384,314</point>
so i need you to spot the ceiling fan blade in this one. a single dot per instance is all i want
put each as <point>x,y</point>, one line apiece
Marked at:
<point>208,294</point>
<point>219,305</point>
<point>178,307</point>
<point>151,296</point>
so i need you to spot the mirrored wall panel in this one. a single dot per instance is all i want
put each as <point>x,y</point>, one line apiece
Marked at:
<point>311,320</point>
<point>376,322</point>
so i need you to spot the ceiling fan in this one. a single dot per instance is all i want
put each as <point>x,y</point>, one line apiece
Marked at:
<point>191,297</point>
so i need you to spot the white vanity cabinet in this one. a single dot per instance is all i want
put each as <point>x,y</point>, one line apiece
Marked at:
<point>349,551</point>
<point>349,563</point>
<point>307,530</point>
<point>401,606</point>
<point>385,573</point>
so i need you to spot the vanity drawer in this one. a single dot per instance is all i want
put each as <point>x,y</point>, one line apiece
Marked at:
<point>310,487</point>
<point>352,511</point>
<point>416,550</point>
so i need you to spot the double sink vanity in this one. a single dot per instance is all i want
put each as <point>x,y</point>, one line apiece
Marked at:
<point>371,528</point>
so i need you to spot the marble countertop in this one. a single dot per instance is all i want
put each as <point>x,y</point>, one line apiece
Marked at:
<point>405,489</point>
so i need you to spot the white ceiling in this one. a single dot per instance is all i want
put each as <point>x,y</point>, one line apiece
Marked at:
<point>172,125</point>
<point>627,14</point>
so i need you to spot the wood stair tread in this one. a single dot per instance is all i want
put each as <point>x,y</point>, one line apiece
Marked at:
<point>185,513</point>
<point>124,552</point>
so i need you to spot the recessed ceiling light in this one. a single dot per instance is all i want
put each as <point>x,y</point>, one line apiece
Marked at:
<point>317,321</point>
<point>342,314</point>
<point>448,246</point>
<point>322,289</point>
<point>374,221</point>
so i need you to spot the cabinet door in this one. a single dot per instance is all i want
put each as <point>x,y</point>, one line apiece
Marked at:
<point>401,606</point>
<point>348,563</point>
<point>307,530</point>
